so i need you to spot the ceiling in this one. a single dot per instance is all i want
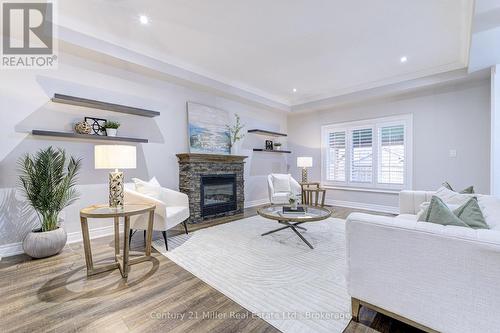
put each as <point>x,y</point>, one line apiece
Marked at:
<point>321,48</point>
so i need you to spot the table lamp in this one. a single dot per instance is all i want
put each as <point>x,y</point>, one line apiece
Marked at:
<point>304,163</point>
<point>115,157</point>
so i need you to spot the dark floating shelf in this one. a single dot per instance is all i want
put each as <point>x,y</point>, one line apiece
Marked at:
<point>272,151</point>
<point>86,136</point>
<point>266,133</point>
<point>90,103</point>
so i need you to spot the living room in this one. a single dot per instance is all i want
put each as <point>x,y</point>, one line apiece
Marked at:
<point>239,166</point>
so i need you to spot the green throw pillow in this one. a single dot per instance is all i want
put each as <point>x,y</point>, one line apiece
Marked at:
<point>468,190</point>
<point>467,215</point>
<point>471,214</point>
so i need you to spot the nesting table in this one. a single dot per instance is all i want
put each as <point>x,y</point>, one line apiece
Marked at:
<point>122,262</point>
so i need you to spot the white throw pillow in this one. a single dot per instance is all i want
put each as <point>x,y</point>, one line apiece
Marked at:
<point>490,207</point>
<point>424,205</point>
<point>281,183</point>
<point>452,197</point>
<point>150,188</point>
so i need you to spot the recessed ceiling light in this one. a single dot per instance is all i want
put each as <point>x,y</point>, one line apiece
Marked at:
<point>403,59</point>
<point>294,90</point>
<point>144,19</point>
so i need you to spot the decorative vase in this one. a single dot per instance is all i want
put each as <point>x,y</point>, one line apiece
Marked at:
<point>294,205</point>
<point>277,147</point>
<point>83,127</point>
<point>111,131</point>
<point>38,244</point>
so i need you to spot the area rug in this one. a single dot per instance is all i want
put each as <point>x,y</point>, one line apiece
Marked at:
<point>277,277</point>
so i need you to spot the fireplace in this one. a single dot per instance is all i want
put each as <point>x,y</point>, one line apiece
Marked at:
<point>218,194</point>
<point>214,184</point>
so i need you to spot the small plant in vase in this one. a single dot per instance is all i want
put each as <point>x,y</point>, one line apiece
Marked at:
<point>277,145</point>
<point>293,201</point>
<point>235,133</point>
<point>111,127</point>
<point>48,182</point>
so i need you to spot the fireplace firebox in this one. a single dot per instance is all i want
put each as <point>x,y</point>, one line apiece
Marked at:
<point>218,194</point>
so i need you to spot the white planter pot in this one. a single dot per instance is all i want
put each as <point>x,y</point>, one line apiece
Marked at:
<point>44,244</point>
<point>111,131</point>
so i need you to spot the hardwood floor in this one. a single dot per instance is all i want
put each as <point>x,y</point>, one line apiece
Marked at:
<point>55,295</point>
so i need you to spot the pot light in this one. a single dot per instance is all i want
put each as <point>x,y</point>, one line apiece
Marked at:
<point>144,19</point>
<point>403,59</point>
<point>294,89</point>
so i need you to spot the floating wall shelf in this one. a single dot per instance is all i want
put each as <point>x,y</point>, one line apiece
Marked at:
<point>272,151</point>
<point>90,103</point>
<point>86,136</point>
<point>266,133</point>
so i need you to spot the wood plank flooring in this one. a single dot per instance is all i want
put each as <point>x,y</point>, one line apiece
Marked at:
<point>55,295</point>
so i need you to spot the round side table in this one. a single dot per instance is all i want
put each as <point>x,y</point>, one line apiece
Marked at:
<point>104,211</point>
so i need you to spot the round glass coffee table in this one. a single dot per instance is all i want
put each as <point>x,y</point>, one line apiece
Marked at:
<point>293,220</point>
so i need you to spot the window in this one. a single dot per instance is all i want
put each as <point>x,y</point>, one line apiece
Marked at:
<point>369,154</point>
<point>336,154</point>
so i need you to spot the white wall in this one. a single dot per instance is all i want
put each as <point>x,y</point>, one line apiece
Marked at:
<point>495,131</point>
<point>25,105</point>
<point>451,117</point>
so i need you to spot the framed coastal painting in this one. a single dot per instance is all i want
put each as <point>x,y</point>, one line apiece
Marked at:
<point>207,129</point>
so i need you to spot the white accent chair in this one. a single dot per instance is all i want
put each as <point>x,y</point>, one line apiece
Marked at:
<point>280,186</point>
<point>172,208</point>
<point>434,277</point>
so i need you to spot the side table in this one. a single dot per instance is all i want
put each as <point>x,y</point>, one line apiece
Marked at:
<point>311,193</point>
<point>104,211</point>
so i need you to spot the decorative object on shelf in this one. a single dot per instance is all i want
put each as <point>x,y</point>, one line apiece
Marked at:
<point>83,127</point>
<point>235,134</point>
<point>277,145</point>
<point>115,157</point>
<point>269,145</point>
<point>97,125</point>
<point>48,182</point>
<point>272,151</point>
<point>207,129</point>
<point>304,163</point>
<point>111,127</point>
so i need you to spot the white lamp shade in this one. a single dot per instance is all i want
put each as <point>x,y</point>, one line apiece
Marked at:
<point>114,157</point>
<point>304,162</point>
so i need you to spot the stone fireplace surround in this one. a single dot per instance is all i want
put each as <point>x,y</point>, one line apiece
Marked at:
<point>192,166</point>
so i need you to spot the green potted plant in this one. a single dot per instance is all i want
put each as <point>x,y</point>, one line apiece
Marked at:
<point>47,180</point>
<point>277,145</point>
<point>111,127</point>
<point>234,133</point>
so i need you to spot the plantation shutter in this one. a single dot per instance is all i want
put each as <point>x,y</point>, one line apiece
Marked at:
<point>361,155</point>
<point>336,156</point>
<point>391,155</point>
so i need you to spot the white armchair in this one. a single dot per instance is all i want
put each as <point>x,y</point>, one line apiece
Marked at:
<point>172,208</point>
<point>280,186</point>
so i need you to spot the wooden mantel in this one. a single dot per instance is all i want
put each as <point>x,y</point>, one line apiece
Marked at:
<point>198,157</point>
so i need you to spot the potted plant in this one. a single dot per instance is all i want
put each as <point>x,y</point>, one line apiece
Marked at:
<point>48,182</point>
<point>277,145</point>
<point>234,133</point>
<point>111,127</point>
<point>293,201</point>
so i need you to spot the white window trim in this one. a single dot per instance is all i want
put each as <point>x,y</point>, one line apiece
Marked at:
<point>406,120</point>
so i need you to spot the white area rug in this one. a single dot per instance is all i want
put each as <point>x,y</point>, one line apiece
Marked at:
<point>277,276</point>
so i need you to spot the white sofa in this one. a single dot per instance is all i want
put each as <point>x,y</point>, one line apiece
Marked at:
<point>171,209</point>
<point>277,196</point>
<point>434,277</point>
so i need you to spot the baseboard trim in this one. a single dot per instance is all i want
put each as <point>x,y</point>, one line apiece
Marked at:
<point>254,203</point>
<point>364,206</point>
<point>13,249</point>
